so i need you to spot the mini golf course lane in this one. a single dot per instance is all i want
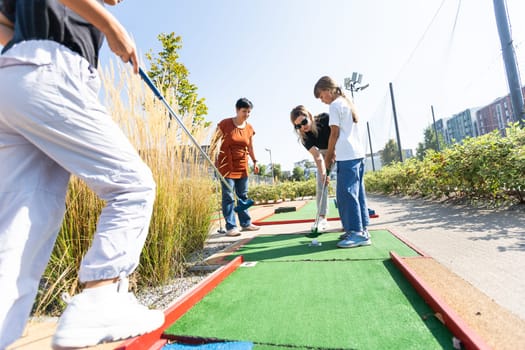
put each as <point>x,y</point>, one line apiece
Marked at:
<point>328,298</point>
<point>306,212</point>
<point>298,247</point>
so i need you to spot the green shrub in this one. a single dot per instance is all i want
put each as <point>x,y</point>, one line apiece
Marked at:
<point>489,168</point>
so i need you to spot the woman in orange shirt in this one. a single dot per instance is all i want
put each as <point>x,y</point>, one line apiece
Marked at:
<point>235,135</point>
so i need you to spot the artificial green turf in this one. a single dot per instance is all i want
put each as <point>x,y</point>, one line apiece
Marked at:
<point>298,247</point>
<point>358,304</point>
<point>307,211</point>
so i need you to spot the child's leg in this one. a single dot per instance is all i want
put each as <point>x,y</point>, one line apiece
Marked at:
<point>348,195</point>
<point>32,195</point>
<point>365,216</point>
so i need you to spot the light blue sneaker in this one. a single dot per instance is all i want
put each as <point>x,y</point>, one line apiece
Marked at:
<point>367,234</point>
<point>355,239</point>
<point>344,236</point>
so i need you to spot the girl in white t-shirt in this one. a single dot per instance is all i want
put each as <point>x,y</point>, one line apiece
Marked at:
<point>345,147</point>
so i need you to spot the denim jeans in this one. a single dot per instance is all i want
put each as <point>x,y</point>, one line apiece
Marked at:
<point>351,196</point>
<point>240,187</point>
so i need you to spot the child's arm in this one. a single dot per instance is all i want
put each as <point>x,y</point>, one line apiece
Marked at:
<point>118,39</point>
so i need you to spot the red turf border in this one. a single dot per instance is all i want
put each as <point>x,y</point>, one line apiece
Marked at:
<point>451,319</point>
<point>152,340</point>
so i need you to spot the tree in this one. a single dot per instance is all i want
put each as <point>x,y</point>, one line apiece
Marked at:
<point>298,174</point>
<point>390,153</point>
<point>171,77</point>
<point>309,164</point>
<point>262,170</point>
<point>430,142</point>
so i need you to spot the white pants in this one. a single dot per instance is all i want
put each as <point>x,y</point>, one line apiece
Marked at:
<point>322,196</point>
<point>52,125</point>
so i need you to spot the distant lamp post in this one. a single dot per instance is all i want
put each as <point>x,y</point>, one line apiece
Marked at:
<point>271,163</point>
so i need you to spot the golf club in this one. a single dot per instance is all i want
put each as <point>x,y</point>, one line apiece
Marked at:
<point>220,229</point>
<point>241,204</point>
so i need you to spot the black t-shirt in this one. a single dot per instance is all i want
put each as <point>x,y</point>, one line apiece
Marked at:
<point>323,133</point>
<point>51,20</point>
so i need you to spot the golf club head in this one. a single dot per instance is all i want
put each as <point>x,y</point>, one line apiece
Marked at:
<point>314,232</point>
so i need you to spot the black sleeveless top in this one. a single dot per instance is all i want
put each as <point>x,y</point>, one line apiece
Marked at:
<point>323,133</point>
<point>51,20</point>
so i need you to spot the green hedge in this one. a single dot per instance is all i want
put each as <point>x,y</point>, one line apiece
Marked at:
<point>489,167</point>
<point>282,190</point>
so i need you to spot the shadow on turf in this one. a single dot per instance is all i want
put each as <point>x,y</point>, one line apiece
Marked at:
<point>255,254</point>
<point>277,249</point>
<point>438,330</point>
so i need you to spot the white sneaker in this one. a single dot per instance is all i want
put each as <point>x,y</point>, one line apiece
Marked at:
<point>234,232</point>
<point>251,227</point>
<point>104,314</point>
<point>323,225</point>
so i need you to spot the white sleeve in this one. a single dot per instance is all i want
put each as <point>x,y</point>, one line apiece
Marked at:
<point>335,114</point>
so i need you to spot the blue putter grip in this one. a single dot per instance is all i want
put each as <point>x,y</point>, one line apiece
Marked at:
<point>148,81</point>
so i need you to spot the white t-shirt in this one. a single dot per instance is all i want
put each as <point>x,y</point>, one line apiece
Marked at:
<point>350,142</point>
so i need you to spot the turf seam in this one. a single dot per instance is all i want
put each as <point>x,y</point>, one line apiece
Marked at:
<point>322,260</point>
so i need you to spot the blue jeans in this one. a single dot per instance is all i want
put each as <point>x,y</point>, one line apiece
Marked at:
<point>240,187</point>
<point>351,196</point>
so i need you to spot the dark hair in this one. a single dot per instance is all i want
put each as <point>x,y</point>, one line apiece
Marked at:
<point>301,111</point>
<point>243,102</point>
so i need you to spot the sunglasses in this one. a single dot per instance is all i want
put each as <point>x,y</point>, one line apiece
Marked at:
<point>301,124</point>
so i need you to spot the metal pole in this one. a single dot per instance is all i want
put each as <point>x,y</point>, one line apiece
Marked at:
<point>435,127</point>
<point>271,163</point>
<point>371,151</point>
<point>509,58</point>
<point>395,121</point>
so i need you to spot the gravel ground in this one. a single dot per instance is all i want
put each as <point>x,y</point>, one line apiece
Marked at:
<point>164,296</point>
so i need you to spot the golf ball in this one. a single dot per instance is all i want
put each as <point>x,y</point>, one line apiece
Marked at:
<point>315,242</point>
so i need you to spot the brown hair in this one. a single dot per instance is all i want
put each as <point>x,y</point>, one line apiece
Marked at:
<point>301,111</point>
<point>327,83</point>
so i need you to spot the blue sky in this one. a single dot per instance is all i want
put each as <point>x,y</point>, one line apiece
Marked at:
<point>273,52</point>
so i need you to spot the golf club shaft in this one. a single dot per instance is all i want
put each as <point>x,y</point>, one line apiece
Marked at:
<point>319,205</point>
<point>172,115</point>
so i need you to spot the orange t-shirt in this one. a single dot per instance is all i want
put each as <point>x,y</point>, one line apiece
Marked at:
<point>233,156</point>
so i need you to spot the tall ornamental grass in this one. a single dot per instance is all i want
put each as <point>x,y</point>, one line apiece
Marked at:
<point>184,205</point>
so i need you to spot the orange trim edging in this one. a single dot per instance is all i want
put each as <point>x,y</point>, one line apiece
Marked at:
<point>451,319</point>
<point>152,340</point>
